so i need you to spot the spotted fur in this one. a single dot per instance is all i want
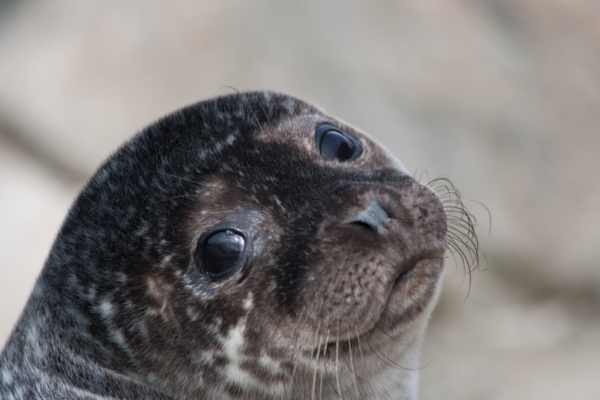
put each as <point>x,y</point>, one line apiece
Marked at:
<point>322,308</point>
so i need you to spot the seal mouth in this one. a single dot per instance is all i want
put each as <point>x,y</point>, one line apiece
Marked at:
<point>411,287</point>
<point>414,263</point>
<point>405,274</point>
<point>418,263</point>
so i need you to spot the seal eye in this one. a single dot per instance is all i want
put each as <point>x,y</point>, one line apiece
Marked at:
<point>335,145</point>
<point>222,252</point>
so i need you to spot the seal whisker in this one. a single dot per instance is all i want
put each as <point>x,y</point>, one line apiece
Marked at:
<point>352,368</point>
<point>385,358</point>
<point>312,353</point>
<point>461,224</point>
<point>363,362</point>
<point>423,172</point>
<point>324,365</point>
<point>468,243</point>
<point>298,348</point>
<point>258,123</point>
<point>337,364</point>
<point>466,246</point>
<point>312,393</point>
<point>230,87</point>
<point>292,378</point>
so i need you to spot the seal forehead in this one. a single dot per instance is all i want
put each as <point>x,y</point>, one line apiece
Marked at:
<point>298,133</point>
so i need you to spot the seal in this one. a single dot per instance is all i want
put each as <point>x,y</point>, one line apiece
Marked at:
<point>246,247</point>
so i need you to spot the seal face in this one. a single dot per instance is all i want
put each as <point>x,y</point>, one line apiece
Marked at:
<point>248,246</point>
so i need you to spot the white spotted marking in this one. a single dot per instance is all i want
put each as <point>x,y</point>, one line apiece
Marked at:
<point>165,261</point>
<point>119,338</point>
<point>91,293</point>
<point>121,277</point>
<point>106,308</point>
<point>268,363</point>
<point>232,345</point>
<point>142,230</point>
<point>192,314</point>
<point>7,377</point>
<point>33,338</point>
<point>248,302</point>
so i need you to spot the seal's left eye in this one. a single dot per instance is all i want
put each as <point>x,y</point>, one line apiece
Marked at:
<point>335,145</point>
<point>222,252</point>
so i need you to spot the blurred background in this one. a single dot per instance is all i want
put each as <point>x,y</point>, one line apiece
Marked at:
<point>500,96</point>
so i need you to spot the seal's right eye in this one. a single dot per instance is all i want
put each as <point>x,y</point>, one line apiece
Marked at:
<point>222,252</point>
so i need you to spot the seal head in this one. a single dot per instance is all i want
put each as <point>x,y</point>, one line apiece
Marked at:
<point>246,247</point>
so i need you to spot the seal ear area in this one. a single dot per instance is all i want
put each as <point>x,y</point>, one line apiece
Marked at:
<point>229,248</point>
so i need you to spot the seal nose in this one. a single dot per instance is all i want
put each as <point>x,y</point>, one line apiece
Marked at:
<point>374,216</point>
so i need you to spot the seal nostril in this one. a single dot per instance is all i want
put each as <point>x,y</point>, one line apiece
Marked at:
<point>363,224</point>
<point>374,216</point>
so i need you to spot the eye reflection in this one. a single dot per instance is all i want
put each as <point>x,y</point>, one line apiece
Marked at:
<point>222,251</point>
<point>336,146</point>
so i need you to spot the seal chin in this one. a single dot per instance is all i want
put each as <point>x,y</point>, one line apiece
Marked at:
<point>413,291</point>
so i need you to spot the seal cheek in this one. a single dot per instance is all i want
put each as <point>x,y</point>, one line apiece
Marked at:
<point>159,303</point>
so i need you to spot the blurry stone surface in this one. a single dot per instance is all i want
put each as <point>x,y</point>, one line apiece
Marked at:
<point>504,342</point>
<point>501,96</point>
<point>33,203</point>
